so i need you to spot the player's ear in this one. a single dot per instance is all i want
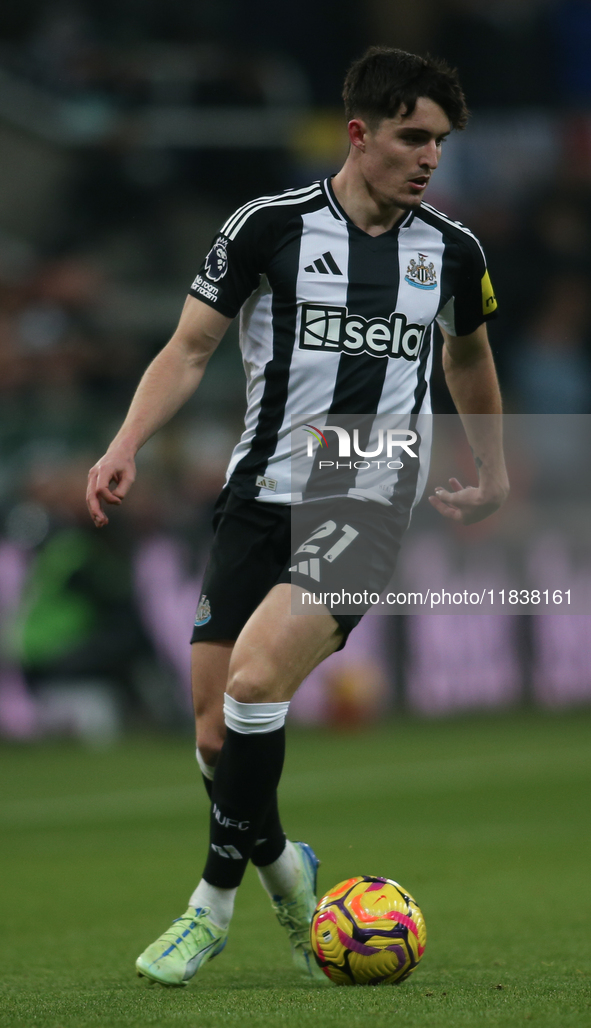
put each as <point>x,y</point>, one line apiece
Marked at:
<point>357,133</point>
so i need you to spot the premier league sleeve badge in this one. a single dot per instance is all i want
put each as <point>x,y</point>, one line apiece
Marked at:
<point>216,262</point>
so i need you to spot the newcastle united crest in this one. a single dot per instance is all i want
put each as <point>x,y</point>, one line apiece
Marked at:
<point>421,275</point>
<point>203,612</point>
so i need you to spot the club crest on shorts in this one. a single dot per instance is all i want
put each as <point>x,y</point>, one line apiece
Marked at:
<point>216,262</point>
<point>203,614</point>
<point>421,275</point>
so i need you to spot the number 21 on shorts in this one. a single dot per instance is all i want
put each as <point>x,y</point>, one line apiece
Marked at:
<point>323,532</point>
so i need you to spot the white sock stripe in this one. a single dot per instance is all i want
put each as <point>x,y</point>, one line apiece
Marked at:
<point>206,769</point>
<point>253,718</point>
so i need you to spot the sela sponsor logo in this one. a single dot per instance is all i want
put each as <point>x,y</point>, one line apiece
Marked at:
<point>229,822</point>
<point>216,262</point>
<point>203,614</point>
<point>421,275</point>
<point>388,441</point>
<point>334,330</point>
<point>205,288</point>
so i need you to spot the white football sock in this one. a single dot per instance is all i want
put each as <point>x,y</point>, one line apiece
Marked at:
<point>219,901</point>
<point>254,718</point>
<point>283,875</point>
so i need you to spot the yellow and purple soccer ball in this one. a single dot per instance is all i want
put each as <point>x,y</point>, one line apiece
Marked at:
<point>368,931</point>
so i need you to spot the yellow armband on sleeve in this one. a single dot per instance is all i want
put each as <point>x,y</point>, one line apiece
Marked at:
<point>489,300</point>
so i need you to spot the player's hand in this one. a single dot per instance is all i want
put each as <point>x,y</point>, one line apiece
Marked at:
<point>467,505</point>
<point>109,481</point>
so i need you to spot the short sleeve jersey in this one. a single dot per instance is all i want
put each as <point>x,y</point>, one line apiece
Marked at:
<point>336,323</point>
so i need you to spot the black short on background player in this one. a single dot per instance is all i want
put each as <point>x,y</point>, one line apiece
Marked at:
<point>337,286</point>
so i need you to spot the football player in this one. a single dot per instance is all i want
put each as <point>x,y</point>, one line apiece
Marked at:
<point>337,285</point>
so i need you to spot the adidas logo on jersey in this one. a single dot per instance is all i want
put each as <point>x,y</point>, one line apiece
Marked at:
<point>325,265</point>
<point>335,330</point>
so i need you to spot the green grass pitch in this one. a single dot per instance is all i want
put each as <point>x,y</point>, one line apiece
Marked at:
<point>486,820</point>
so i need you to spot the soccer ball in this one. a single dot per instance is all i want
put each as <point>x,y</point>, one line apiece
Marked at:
<point>368,931</point>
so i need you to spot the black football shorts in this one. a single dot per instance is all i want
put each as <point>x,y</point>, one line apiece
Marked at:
<point>342,551</point>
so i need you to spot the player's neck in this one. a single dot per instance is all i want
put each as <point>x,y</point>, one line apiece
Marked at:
<point>361,204</point>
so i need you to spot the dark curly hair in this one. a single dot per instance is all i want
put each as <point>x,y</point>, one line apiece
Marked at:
<point>384,80</point>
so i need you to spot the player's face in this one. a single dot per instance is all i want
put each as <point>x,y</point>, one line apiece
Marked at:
<point>400,154</point>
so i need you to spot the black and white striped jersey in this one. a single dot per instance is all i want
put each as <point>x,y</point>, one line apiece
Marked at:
<point>334,323</point>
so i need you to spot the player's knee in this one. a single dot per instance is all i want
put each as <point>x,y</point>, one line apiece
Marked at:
<point>209,747</point>
<point>211,733</point>
<point>252,684</point>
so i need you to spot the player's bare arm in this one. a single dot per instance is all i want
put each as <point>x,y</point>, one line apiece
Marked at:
<point>168,382</point>
<point>472,381</point>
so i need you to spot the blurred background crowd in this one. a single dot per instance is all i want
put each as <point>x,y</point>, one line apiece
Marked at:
<point>129,131</point>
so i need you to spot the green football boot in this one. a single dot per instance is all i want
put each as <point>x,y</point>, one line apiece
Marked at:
<point>294,912</point>
<point>178,954</point>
